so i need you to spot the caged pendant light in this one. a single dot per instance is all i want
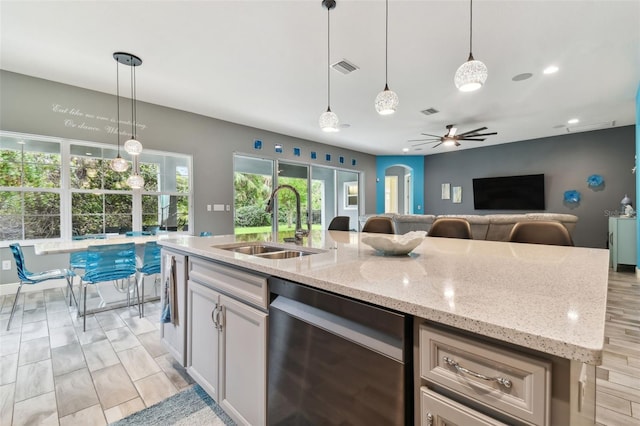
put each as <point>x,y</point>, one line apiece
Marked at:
<point>386,102</point>
<point>472,74</point>
<point>118,164</point>
<point>329,120</point>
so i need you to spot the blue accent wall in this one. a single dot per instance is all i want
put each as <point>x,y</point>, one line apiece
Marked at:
<point>416,164</point>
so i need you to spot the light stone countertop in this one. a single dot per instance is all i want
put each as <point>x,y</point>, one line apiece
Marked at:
<point>548,298</point>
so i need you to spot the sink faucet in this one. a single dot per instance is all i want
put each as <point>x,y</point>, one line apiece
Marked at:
<point>300,233</point>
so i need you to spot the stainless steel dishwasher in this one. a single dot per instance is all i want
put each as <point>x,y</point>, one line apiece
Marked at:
<point>336,361</point>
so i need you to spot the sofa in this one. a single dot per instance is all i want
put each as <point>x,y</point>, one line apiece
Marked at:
<point>494,227</point>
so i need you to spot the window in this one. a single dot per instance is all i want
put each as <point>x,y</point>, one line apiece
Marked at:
<point>351,195</point>
<point>30,176</point>
<point>52,188</point>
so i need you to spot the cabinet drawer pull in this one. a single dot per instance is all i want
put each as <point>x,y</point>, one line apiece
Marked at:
<point>429,419</point>
<point>214,316</point>
<point>501,380</point>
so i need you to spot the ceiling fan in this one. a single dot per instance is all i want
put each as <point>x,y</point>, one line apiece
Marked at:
<point>451,138</point>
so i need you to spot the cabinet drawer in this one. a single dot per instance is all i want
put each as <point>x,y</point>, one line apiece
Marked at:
<point>245,286</point>
<point>438,410</point>
<point>511,382</point>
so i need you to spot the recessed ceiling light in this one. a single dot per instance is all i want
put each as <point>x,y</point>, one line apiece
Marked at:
<point>551,69</point>
<point>405,149</point>
<point>573,121</point>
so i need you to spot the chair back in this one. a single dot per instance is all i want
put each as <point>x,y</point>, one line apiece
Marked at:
<point>339,223</point>
<point>541,232</point>
<point>450,227</point>
<point>137,233</point>
<point>23,273</point>
<point>205,234</point>
<point>78,259</point>
<point>110,262</point>
<point>151,258</point>
<point>379,225</point>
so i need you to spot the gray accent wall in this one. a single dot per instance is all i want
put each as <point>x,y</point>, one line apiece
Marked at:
<point>566,162</point>
<point>42,107</point>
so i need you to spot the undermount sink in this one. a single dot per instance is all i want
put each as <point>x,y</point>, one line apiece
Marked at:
<point>266,251</point>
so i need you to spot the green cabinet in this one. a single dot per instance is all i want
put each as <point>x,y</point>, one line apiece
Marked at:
<point>622,241</point>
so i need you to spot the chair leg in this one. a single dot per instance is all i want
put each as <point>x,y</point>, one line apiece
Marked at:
<point>70,284</point>
<point>142,298</point>
<point>84,315</point>
<point>138,294</point>
<point>14,305</point>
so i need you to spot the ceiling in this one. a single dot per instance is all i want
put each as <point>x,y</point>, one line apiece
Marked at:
<point>264,63</point>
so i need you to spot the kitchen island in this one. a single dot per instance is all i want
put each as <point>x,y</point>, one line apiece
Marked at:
<point>545,301</point>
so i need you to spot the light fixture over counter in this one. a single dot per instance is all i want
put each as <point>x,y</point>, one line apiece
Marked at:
<point>472,74</point>
<point>118,164</point>
<point>329,120</point>
<point>133,147</point>
<point>387,101</point>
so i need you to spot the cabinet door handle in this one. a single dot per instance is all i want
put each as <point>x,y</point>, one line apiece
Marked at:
<point>214,316</point>
<point>500,380</point>
<point>429,419</point>
<point>220,318</point>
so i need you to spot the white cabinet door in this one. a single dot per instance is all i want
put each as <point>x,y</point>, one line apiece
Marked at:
<point>174,337</point>
<point>243,362</point>
<point>203,337</point>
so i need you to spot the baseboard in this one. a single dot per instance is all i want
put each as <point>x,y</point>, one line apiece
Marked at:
<point>11,288</point>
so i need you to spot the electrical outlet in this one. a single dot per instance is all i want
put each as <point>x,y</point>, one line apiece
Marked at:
<point>6,265</point>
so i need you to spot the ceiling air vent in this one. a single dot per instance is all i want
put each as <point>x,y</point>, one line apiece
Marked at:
<point>344,66</point>
<point>429,111</point>
<point>589,127</point>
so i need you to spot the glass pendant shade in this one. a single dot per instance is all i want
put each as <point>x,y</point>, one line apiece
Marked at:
<point>386,102</point>
<point>135,181</point>
<point>133,147</point>
<point>471,75</point>
<point>329,121</point>
<point>119,164</point>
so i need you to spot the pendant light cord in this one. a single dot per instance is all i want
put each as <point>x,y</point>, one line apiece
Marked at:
<point>386,46</point>
<point>118,103</point>
<point>470,27</point>
<point>133,103</point>
<point>328,59</point>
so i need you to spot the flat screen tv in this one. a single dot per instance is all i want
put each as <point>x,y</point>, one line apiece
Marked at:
<point>524,192</point>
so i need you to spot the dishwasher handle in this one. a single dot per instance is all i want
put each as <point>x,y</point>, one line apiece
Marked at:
<point>350,330</point>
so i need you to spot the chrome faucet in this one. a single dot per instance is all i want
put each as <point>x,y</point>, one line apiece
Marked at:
<point>300,233</point>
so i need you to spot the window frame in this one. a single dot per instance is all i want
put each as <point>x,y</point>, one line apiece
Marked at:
<point>65,191</point>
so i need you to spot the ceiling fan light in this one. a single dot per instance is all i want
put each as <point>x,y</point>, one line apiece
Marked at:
<point>329,122</point>
<point>133,147</point>
<point>119,164</point>
<point>449,142</point>
<point>386,102</point>
<point>135,181</point>
<point>471,75</point>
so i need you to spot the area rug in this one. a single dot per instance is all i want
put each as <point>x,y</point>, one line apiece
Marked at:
<point>189,407</point>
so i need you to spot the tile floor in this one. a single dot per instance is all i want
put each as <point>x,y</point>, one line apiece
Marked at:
<point>51,372</point>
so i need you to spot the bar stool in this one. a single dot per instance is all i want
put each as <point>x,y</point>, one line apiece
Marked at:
<point>150,266</point>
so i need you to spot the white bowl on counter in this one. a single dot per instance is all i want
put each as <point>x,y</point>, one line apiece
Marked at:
<point>395,245</point>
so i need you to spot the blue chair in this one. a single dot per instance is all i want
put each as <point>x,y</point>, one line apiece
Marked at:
<point>137,233</point>
<point>205,234</point>
<point>109,262</point>
<point>27,277</point>
<point>150,265</point>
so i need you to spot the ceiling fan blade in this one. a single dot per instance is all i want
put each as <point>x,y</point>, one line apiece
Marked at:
<point>428,134</point>
<point>423,140</point>
<point>457,143</point>
<point>423,143</point>
<point>468,139</point>
<point>437,145</point>
<point>481,134</point>
<point>473,131</point>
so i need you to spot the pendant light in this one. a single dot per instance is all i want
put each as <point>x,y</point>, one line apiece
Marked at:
<point>329,120</point>
<point>135,181</point>
<point>132,146</point>
<point>118,164</point>
<point>472,74</point>
<point>387,101</point>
